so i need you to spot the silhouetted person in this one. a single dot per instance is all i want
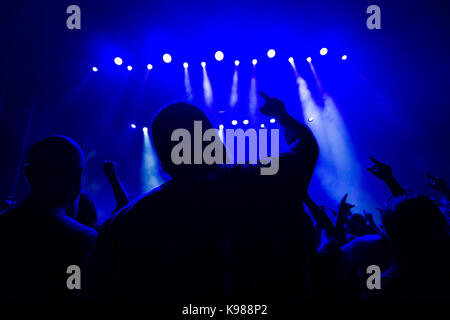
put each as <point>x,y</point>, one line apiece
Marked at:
<point>38,241</point>
<point>418,234</point>
<point>213,231</point>
<point>86,213</point>
<point>120,195</point>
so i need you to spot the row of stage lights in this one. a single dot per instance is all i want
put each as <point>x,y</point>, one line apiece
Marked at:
<point>221,127</point>
<point>219,56</point>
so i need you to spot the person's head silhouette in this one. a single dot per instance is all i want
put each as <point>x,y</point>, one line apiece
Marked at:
<point>53,169</point>
<point>414,225</point>
<point>167,120</point>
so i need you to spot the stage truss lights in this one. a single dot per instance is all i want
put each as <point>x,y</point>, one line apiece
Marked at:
<point>167,58</point>
<point>323,51</point>
<point>219,55</point>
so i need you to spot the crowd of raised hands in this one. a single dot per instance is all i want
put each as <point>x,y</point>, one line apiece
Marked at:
<point>411,241</point>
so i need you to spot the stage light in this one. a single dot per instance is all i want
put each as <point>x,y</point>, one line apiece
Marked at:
<point>254,61</point>
<point>167,58</point>
<point>323,51</point>
<point>271,53</point>
<point>236,63</point>
<point>344,57</point>
<point>118,61</point>
<point>221,127</point>
<point>310,119</point>
<point>291,60</point>
<point>245,122</point>
<point>185,65</point>
<point>308,59</point>
<point>234,122</point>
<point>219,55</point>
<point>272,120</point>
<point>145,129</point>
<point>129,68</point>
<point>133,126</point>
<point>262,125</point>
<point>149,67</point>
<point>207,88</point>
<point>94,69</point>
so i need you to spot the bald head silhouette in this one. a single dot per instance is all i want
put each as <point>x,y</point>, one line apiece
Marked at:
<point>53,169</point>
<point>177,116</point>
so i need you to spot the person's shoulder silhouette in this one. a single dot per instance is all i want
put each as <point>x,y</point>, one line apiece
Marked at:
<point>38,240</point>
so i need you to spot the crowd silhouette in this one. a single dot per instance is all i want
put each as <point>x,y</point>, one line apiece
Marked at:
<point>219,232</point>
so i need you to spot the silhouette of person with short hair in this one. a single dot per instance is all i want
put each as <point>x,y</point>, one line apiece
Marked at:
<point>417,231</point>
<point>213,231</point>
<point>38,241</point>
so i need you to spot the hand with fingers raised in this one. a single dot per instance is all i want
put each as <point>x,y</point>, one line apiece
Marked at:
<point>343,212</point>
<point>272,107</point>
<point>438,184</point>
<point>384,172</point>
<point>380,170</point>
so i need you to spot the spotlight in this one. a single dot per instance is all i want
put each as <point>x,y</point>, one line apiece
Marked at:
<point>272,120</point>
<point>236,63</point>
<point>167,58</point>
<point>234,122</point>
<point>145,129</point>
<point>344,57</point>
<point>310,119</point>
<point>262,125</point>
<point>219,55</point>
<point>308,59</point>
<point>185,65</point>
<point>133,126</point>
<point>94,69</point>
<point>149,67</point>
<point>245,122</point>
<point>323,51</point>
<point>221,127</point>
<point>203,64</point>
<point>271,53</point>
<point>291,60</point>
<point>254,61</point>
<point>118,61</point>
<point>129,68</point>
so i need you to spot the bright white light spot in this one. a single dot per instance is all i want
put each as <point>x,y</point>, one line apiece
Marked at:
<point>133,126</point>
<point>311,119</point>
<point>308,59</point>
<point>236,63</point>
<point>262,125</point>
<point>254,61</point>
<point>167,58</point>
<point>118,61</point>
<point>94,69</point>
<point>271,53</point>
<point>203,64</point>
<point>145,129</point>
<point>149,67</point>
<point>344,57</point>
<point>221,127</point>
<point>234,122</point>
<point>245,122</point>
<point>272,120</point>
<point>323,51</point>
<point>291,60</point>
<point>219,55</point>
<point>130,68</point>
<point>185,65</point>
